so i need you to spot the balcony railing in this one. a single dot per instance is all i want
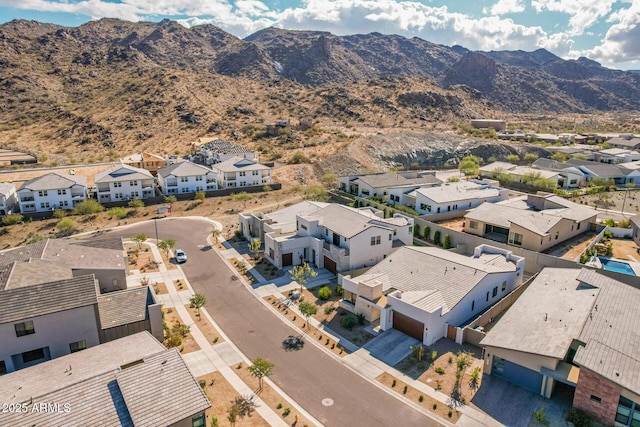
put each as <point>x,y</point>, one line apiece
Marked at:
<point>26,199</point>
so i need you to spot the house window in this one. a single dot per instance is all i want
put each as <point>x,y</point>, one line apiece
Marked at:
<point>24,328</point>
<point>495,292</point>
<point>557,234</point>
<point>198,421</point>
<point>185,189</point>
<point>33,355</point>
<point>254,173</point>
<point>243,173</point>
<point>42,193</point>
<point>425,207</point>
<point>198,178</point>
<point>62,192</point>
<point>515,239</point>
<point>133,183</point>
<point>118,196</point>
<point>449,208</point>
<point>375,240</point>
<point>3,367</point>
<point>487,299</point>
<point>44,205</point>
<point>473,224</point>
<point>438,209</point>
<point>117,184</point>
<point>573,182</point>
<point>184,179</point>
<point>243,184</point>
<point>410,229</point>
<point>349,297</point>
<point>504,286</point>
<point>390,236</point>
<point>578,227</point>
<point>595,398</point>
<point>77,346</point>
<point>473,305</point>
<point>336,239</point>
<point>628,410</point>
<point>134,194</point>
<point>304,227</point>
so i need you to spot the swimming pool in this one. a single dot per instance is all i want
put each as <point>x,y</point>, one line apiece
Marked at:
<point>620,267</point>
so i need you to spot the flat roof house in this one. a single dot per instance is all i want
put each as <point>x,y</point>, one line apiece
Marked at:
<point>577,327</point>
<point>571,175</point>
<point>457,196</point>
<point>378,185</point>
<point>52,191</point>
<point>426,291</point>
<point>133,381</point>
<point>534,222</point>
<point>339,238</point>
<point>124,182</point>
<point>186,177</point>
<point>241,172</point>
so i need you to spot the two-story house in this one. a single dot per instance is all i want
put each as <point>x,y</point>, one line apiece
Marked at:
<point>186,177</point>
<point>123,182</point>
<point>428,292</point>
<point>52,191</point>
<point>8,198</point>
<point>241,172</point>
<point>339,238</point>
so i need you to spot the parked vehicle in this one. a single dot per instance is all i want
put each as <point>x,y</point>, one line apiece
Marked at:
<point>181,256</point>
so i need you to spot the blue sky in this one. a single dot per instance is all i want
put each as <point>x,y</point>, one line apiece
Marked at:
<point>607,31</point>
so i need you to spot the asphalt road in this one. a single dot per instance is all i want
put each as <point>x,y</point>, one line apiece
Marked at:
<point>308,375</point>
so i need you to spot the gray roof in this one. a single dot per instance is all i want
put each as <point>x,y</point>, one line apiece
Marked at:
<point>178,397</point>
<point>224,147</point>
<point>383,180</point>
<point>90,382</point>
<point>624,142</point>
<point>184,169</point>
<point>432,278</point>
<point>551,164</point>
<point>458,191</point>
<point>546,318</point>
<point>35,271</point>
<point>77,253</point>
<point>239,164</point>
<point>288,215</point>
<point>348,222</point>
<point>601,169</point>
<point>122,172</point>
<point>38,300</point>
<point>123,307</point>
<point>6,188</point>
<point>54,181</point>
<point>611,332</point>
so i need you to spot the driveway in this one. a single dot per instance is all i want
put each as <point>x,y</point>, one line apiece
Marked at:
<point>391,346</point>
<point>310,376</point>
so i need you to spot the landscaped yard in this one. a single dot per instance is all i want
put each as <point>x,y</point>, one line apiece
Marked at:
<point>175,327</point>
<point>141,258</point>
<point>207,329</point>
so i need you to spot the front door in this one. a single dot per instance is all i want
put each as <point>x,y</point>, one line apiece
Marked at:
<point>287,259</point>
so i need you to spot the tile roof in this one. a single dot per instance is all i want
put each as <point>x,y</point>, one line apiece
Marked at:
<point>35,271</point>
<point>220,146</point>
<point>547,317</point>
<point>239,164</point>
<point>347,222</point>
<point>555,165</point>
<point>123,307</point>
<point>122,172</point>
<point>431,277</point>
<point>179,397</point>
<point>184,169</point>
<point>382,180</point>
<point>54,181</point>
<point>624,142</point>
<point>89,382</point>
<point>601,169</point>
<point>27,302</point>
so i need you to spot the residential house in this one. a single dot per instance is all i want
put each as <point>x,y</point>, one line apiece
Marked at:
<point>186,177</point>
<point>123,182</point>
<point>576,327</point>
<point>570,176</point>
<point>525,174</point>
<point>427,292</point>
<point>257,224</point>
<point>133,381</point>
<point>615,156</point>
<point>52,191</point>
<point>8,198</point>
<point>534,222</point>
<point>212,150</point>
<point>457,196</point>
<point>618,173</point>
<point>497,125</point>
<point>339,238</point>
<point>378,185</point>
<point>241,172</point>
<point>144,160</point>
<point>635,227</point>
<point>630,142</point>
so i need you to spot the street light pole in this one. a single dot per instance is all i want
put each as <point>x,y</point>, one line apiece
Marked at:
<point>155,223</point>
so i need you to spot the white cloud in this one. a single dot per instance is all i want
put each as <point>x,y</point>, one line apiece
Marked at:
<point>621,43</point>
<point>505,6</point>
<point>584,13</point>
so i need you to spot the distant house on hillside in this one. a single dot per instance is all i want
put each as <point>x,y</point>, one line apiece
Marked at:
<point>213,150</point>
<point>52,191</point>
<point>378,185</point>
<point>144,160</point>
<point>497,125</point>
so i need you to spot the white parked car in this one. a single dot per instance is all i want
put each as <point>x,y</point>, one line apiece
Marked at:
<point>181,256</point>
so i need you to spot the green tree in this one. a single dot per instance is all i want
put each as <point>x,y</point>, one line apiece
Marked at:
<point>140,239</point>
<point>560,157</point>
<point>302,274</point>
<point>530,177</point>
<point>166,245</point>
<point>416,229</point>
<point>88,207</point>
<point>197,301</point>
<point>324,293</point>
<point>307,309</point>
<point>171,199</point>
<point>530,157</point>
<point>546,183</point>
<point>315,192</point>
<point>216,233</point>
<point>469,166</point>
<point>436,237</point>
<point>243,197</point>
<point>598,181</point>
<point>260,369</point>
<point>65,224</point>
<point>447,242</point>
<point>136,203</point>
<point>426,233</point>
<point>254,247</point>
<point>200,195</point>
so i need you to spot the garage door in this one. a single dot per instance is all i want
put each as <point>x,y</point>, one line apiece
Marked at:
<point>330,265</point>
<point>517,374</point>
<point>287,259</point>
<point>407,325</point>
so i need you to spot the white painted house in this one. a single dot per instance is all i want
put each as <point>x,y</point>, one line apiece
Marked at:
<point>339,238</point>
<point>241,172</point>
<point>428,292</point>
<point>52,191</point>
<point>457,196</point>
<point>213,150</point>
<point>186,177</point>
<point>124,182</point>
<point>379,184</point>
<point>8,198</point>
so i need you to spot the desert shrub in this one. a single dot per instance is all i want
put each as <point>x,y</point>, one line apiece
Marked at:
<point>339,290</point>
<point>65,224</point>
<point>579,418</point>
<point>329,309</point>
<point>174,340</point>
<point>298,157</point>
<point>324,293</point>
<point>361,319</point>
<point>59,213</point>
<point>439,370</point>
<point>88,207</point>
<point>136,203</point>
<point>118,212</point>
<point>12,219</point>
<point>286,411</point>
<point>348,322</point>
<point>421,398</point>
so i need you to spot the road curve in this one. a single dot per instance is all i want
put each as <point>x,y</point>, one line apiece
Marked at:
<point>308,375</point>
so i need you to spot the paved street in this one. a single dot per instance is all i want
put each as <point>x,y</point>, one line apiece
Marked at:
<point>310,376</point>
